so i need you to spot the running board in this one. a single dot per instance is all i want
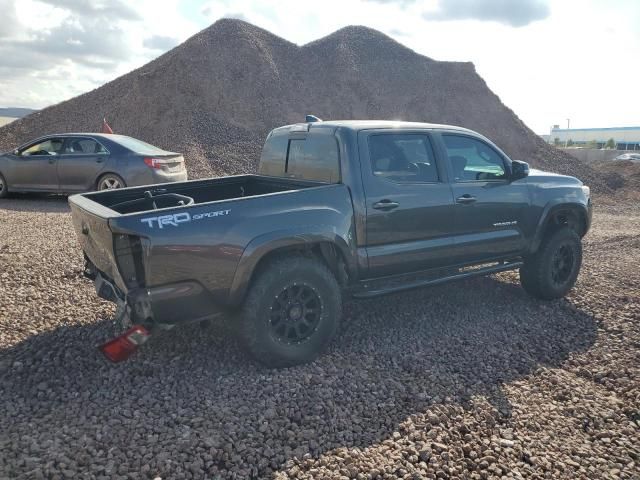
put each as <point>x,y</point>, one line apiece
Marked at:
<point>472,272</point>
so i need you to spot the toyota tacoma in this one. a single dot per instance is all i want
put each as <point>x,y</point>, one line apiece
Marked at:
<point>357,208</point>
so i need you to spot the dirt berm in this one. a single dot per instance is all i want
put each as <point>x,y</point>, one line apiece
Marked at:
<point>216,96</point>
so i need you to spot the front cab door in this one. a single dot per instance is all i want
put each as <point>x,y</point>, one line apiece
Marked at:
<point>489,207</point>
<point>35,166</point>
<point>409,204</point>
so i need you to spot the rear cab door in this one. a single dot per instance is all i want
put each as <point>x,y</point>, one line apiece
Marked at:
<point>80,162</point>
<point>490,208</point>
<point>409,202</point>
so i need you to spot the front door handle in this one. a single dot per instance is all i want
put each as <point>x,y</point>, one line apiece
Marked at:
<point>52,160</point>
<point>466,199</point>
<point>99,160</point>
<point>385,205</point>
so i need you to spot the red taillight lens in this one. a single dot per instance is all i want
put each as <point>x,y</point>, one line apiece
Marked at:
<point>153,162</point>
<point>123,346</point>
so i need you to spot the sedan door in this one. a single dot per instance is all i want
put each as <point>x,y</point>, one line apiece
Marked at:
<point>35,166</point>
<point>489,207</point>
<point>409,205</point>
<point>81,162</point>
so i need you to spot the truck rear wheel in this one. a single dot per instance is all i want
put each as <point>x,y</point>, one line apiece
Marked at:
<point>552,271</point>
<point>291,312</point>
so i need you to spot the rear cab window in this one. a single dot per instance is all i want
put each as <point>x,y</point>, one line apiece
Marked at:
<point>83,146</point>
<point>403,157</point>
<point>309,156</point>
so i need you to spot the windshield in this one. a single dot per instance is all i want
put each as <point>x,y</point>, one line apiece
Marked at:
<point>138,146</point>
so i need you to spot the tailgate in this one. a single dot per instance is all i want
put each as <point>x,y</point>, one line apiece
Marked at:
<point>91,224</point>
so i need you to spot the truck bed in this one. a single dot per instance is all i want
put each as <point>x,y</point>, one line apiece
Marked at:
<point>158,241</point>
<point>154,197</point>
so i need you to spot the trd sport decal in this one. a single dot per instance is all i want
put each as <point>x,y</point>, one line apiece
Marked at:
<point>176,219</point>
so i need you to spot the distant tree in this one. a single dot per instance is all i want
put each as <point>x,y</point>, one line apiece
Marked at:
<point>592,144</point>
<point>556,141</point>
<point>569,143</point>
<point>611,143</point>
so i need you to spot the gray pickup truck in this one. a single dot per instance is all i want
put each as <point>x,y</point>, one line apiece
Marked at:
<point>359,208</point>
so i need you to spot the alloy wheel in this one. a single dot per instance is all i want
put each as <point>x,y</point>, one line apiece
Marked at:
<point>110,183</point>
<point>562,264</point>
<point>295,314</point>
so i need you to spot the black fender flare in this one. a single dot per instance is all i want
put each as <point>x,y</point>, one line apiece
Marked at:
<point>583,211</point>
<point>301,236</point>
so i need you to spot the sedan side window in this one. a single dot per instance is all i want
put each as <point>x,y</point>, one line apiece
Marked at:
<point>52,146</point>
<point>472,159</point>
<point>86,146</point>
<point>403,158</point>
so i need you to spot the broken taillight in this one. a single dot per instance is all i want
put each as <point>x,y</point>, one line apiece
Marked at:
<point>123,346</point>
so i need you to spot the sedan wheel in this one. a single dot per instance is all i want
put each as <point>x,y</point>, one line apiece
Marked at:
<point>110,182</point>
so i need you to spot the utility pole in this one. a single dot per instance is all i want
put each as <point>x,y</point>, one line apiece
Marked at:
<point>567,137</point>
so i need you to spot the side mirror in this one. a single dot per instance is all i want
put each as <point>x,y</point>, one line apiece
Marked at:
<point>16,152</point>
<point>519,169</point>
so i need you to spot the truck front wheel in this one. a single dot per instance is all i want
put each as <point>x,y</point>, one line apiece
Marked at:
<point>552,271</point>
<point>291,313</point>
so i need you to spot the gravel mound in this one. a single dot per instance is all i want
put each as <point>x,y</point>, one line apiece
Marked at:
<point>216,96</point>
<point>468,380</point>
<point>622,176</point>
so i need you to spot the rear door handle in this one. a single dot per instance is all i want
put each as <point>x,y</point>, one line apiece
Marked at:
<point>99,160</point>
<point>385,205</point>
<point>466,199</point>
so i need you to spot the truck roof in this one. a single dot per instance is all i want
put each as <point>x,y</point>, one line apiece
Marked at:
<point>375,124</point>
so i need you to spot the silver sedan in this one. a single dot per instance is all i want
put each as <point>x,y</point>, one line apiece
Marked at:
<point>79,162</point>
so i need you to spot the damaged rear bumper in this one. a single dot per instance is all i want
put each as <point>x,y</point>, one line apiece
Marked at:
<point>164,305</point>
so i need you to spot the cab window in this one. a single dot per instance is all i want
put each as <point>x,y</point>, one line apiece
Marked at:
<point>473,160</point>
<point>403,158</point>
<point>83,146</point>
<point>51,146</point>
<point>314,158</point>
<point>274,156</point>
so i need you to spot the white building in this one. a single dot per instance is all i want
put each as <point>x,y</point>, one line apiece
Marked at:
<point>625,138</point>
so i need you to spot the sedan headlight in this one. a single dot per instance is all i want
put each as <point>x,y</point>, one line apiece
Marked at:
<point>586,190</point>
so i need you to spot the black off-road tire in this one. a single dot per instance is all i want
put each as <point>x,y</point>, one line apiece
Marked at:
<point>552,271</point>
<point>4,189</point>
<point>265,324</point>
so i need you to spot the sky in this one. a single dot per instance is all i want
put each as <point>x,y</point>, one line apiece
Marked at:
<point>547,60</point>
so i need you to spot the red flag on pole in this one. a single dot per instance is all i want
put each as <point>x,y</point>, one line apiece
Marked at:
<point>105,126</point>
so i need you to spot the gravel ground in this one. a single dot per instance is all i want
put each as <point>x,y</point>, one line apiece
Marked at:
<point>468,380</point>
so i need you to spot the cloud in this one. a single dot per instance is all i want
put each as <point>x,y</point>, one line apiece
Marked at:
<point>114,9</point>
<point>51,47</point>
<point>389,2</point>
<point>237,16</point>
<point>9,24</point>
<point>160,42</point>
<point>509,12</point>
<point>90,42</point>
